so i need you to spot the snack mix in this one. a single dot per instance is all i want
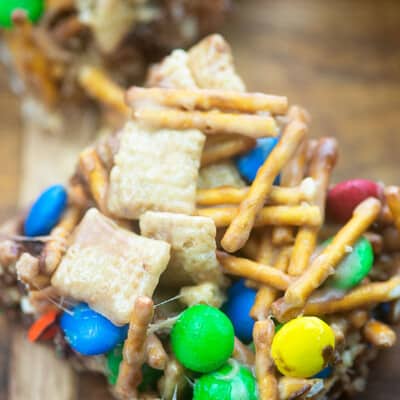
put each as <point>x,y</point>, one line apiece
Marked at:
<point>201,250</point>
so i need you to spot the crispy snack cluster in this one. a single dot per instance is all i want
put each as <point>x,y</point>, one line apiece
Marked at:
<point>159,210</point>
<point>117,36</point>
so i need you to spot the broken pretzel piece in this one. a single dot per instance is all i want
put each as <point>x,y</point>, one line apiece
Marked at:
<point>130,370</point>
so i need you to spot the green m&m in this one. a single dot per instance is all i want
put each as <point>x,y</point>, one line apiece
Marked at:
<point>354,267</point>
<point>33,8</point>
<point>231,382</point>
<point>114,358</point>
<point>202,338</point>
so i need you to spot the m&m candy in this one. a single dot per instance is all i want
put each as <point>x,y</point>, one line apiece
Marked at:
<point>249,163</point>
<point>89,333</point>
<point>113,361</point>
<point>33,8</point>
<point>231,382</point>
<point>237,308</point>
<point>202,338</point>
<point>46,211</point>
<point>354,267</point>
<point>344,197</point>
<point>303,347</point>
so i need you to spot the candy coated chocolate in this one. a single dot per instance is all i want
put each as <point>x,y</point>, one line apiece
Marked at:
<point>249,163</point>
<point>237,308</point>
<point>46,211</point>
<point>344,197</point>
<point>303,347</point>
<point>89,333</point>
<point>202,338</point>
<point>354,267</point>
<point>231,382</point>
<point>33,8</point>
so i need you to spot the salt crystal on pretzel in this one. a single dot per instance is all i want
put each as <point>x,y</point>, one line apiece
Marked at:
<point>156,356</point>
<point>145,176</point>
<point>379,334</point>
<point>321,166</point>
<point>231,146</point>
<point>254,271</point>
<point>263,333</point>
<point>239,230</point>
<point>211,64</point>
<point>278,195</point>
<point>130,369</point>
<point>209,122</point>
<point>207,99</point>
<point>96,176</point>
<point>217,175</point>
<point>299,291</point>
<point>109,267</point>
<point>193,246</point>
<point>362,296</point>
<point>269,215</point>
<point>99,86</point>
<point>204,293</point>
<point>55,248</point>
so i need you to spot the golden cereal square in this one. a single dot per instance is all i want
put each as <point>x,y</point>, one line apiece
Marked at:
<point>108,267</point>
<point>155,170</point>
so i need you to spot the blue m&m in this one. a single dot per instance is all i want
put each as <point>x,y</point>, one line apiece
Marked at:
<point>237,308</point>
<point>249,163</point>
<point>89,333</point>
<point>46,211</point>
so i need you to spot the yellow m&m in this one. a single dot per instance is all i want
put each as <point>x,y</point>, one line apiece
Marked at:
<point>303,347</point>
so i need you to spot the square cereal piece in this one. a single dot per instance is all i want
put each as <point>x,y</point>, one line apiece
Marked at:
<point>108,267</point>
<point>155,170</point>
<point>221,174</point>
<point>211,64</point>
<point>172,72</point>
<point>192,240</point>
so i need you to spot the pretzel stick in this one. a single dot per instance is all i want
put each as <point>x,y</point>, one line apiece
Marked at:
<point>291,175</point>
<point>362,296</point>
<point>239,230</point>
<point>56,247</point>
<point>207,99</point>
<point>296,388</point>
<point>173,379</point>
<point>96,176</point>
<point>322,163</point>
<point>251,248</point>
<point>209,122</point>
<point>99,86</point>
<point>358,318</point>
<point>130,373</point>
<point>28,271</point>
<point>379,334</point>
<point>263,333</point>
<point>253,270</point>
<point>270,215</point>
<point>392,196</point>
<point>242,353</point>
<point>225,149</point>
<point>278,196</point>
<point>265,253</point>
<point>156,356</point>
<point>299,291</point>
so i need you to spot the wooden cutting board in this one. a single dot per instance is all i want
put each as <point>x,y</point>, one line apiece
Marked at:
<point>340,60</point>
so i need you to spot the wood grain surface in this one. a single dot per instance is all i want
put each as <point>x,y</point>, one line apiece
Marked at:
<point>339,59</point>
